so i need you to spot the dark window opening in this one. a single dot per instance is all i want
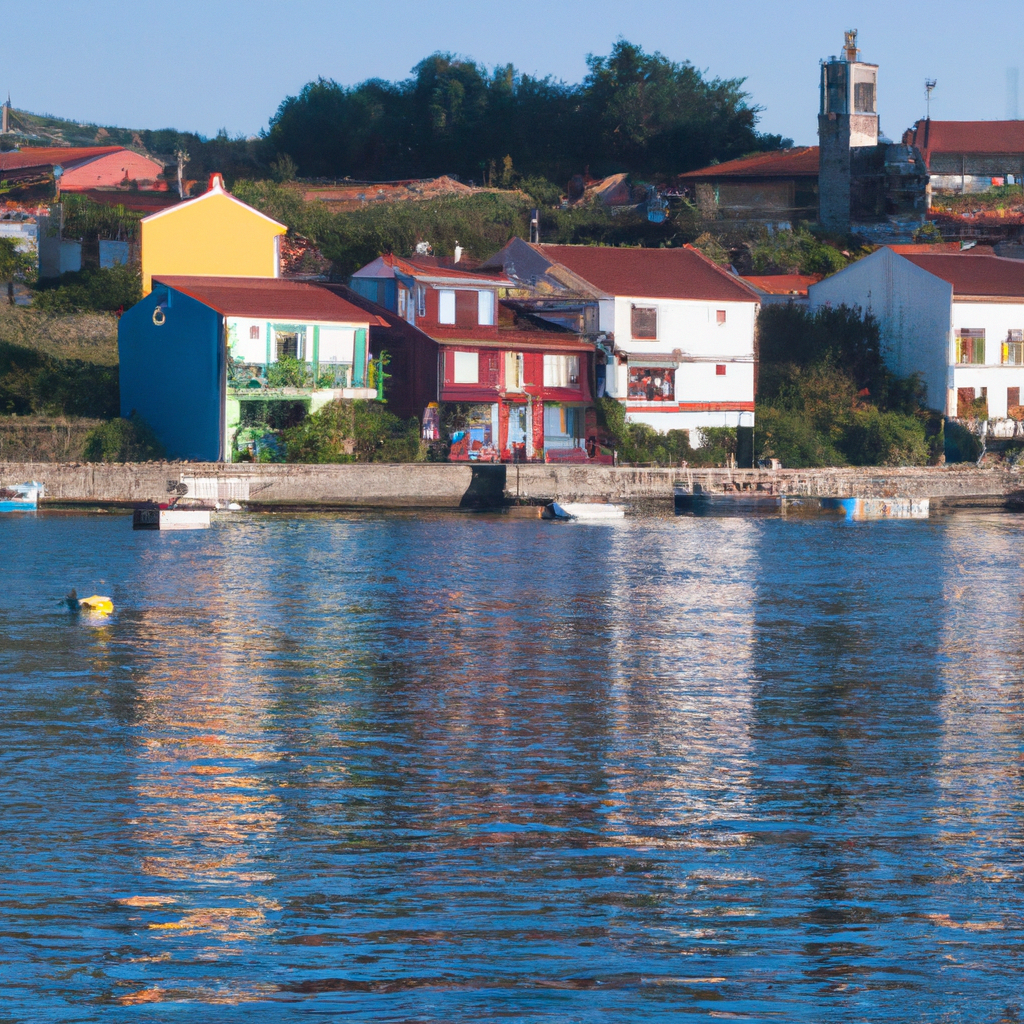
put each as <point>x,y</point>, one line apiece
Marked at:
<point>864,97</point>
<point>644,322</point>
<point>287,345</point>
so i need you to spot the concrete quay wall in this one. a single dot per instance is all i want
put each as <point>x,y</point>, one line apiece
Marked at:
<point>445,485</point>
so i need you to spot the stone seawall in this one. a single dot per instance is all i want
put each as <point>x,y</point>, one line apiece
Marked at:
<point>444,485</point>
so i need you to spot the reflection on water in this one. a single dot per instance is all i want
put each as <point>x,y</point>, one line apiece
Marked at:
<point>469,767</point>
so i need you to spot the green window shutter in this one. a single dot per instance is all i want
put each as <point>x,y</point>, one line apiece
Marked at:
<point>359,359</point>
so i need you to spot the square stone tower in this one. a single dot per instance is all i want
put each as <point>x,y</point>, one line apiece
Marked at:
<point>847,128</point>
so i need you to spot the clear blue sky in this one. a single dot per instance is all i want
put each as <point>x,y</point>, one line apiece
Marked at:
<point>210,64</point>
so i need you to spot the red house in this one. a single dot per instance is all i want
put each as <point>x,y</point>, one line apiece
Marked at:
<point>514,386</point>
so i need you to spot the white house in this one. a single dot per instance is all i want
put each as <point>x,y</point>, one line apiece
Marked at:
<point>677,330</point>
<point>955,319</point>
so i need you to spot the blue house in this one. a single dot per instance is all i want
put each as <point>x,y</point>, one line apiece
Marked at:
<point>212,362</point>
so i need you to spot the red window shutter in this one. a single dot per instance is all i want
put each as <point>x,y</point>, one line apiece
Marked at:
<point>720,369</point>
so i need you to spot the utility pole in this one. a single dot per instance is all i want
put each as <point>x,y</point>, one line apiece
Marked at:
<point>182,156</point>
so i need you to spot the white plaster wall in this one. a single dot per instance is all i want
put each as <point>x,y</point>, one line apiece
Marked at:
<point>699,382</point>
<point>690,326</point>
<point>997,318</point>
<point>665,421</point>
<point>914,312</point>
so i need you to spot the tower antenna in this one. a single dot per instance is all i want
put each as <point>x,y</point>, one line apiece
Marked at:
<point>929,85</point>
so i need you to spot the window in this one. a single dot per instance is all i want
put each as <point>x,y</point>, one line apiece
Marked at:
<point>563,425</point>
<point>1013,348</point>
<point>467,364</point>
<point>402,293</point>
<point>337,344</point>
<point>644,322</point>
<point>485,308</point>
<point>446,306</point>
<point>1013,409</point>
<point>254,333</point>
<point>561,371</point>
<point>286,344</point>
<point>720,369</point>
<point>651,383</point>
<point>720,316</point>
<point>421,300</point>
<point>514,371</point>
<point>970,345</point>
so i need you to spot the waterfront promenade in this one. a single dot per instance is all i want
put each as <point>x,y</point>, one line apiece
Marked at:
<point>448,485</point>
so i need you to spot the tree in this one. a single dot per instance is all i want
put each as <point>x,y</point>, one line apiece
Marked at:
<point>15,265</point>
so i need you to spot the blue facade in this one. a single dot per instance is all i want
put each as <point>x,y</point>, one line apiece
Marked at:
<point>172,372</point>
<point>382,290</point>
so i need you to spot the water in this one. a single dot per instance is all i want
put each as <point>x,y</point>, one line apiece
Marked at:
<point>466,767</point>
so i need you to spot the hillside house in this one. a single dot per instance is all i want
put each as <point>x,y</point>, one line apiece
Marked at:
<point>955,319</point>
<point>204,358</point>
<point>674,332</point>
<point>522,385</point>
<point>214,235</point>
<point>78,169</point>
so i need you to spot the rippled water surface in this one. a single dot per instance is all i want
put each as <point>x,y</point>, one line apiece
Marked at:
<point>469,767</point>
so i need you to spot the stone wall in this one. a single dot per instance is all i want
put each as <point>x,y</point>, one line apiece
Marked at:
<point>443,485</point>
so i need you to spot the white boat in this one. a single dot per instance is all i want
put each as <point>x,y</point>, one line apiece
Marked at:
<point>171,519</point>
<point>594,510</point>
<point>20,497</point>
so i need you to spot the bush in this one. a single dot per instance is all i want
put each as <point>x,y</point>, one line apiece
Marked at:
<point>122,440</point>
<point>111,288</point>
<point>361,431</point>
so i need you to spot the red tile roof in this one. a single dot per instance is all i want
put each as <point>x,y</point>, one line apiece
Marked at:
<point>650,273</point>
<point>966,137</point>
<point>783,163</point>
<point>49,156</point>
<point>414,269</point>
<point>268,297</point>
<point>141,201</point>
<point>979,276</point>
<point>783,284</point>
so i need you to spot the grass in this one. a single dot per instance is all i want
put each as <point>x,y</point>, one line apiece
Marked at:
<point>85,337</point>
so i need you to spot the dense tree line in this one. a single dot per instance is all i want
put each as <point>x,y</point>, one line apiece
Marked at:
<point>634,111</point>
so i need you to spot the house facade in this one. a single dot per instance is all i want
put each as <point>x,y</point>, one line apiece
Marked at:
<point>214,235</point>
<point>515,387</point>
<point>673,332</point>
<point>215,365</point>
<point>957,320</point>
<point>77,169</point>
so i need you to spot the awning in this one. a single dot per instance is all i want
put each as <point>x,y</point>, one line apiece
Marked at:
<point>666,361</point>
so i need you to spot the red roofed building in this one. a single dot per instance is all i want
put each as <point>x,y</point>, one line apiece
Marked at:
<point>955,319</point>
<point>674,331</point>
<point>216,364</point>
<point>78,169</point>
<point>970,156</point>
<point>779,188</point>
<point>517,387</point>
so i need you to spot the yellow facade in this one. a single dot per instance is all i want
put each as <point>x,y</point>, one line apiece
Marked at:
<point>214,235</point>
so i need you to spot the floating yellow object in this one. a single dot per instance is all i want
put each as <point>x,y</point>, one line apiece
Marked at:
<point>97,603</point>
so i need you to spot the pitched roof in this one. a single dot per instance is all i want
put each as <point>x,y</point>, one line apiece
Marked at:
<point>50,156</point>
<point>413,268</point>
<point>216,189</point>
<point>650,273</point>
<point>783,163</point>
<point>966,137</point>
<point>267,297</point>
<point>782,284</point>
<point>979,276</point>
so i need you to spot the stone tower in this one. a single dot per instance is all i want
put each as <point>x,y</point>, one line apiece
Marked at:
<point>847,129</point>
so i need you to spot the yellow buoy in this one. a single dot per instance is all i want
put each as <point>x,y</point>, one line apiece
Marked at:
<point>97,603</point>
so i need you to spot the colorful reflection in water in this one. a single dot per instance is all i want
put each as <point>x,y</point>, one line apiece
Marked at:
<point>463,767</point>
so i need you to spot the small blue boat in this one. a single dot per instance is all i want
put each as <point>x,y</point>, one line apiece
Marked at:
<point>20,497</point>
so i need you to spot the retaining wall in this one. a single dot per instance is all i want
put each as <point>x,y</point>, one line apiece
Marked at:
<point>446,485</point>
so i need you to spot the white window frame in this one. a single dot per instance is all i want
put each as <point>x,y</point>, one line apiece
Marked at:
<point>485,308</point>
<point>445,305</point>
<point>466,368</point>
<point>561,371</point>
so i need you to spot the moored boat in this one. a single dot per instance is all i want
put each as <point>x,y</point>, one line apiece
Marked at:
<point>20,497</point>
<point>156,518</point>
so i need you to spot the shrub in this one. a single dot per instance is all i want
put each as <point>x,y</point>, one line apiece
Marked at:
<point>122,440</point>
<point>110,288</point>
<point>361,431</point>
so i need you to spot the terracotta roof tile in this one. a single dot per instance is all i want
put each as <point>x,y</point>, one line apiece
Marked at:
<point>783,284</point>
<point>650,273</point>
<point>47,156</point>
<point>966,137</point>
<point>783,163</point>
<point>981,276</point>
<point>268,297</point>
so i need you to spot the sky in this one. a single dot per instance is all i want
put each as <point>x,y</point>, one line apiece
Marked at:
<point>228,64</point>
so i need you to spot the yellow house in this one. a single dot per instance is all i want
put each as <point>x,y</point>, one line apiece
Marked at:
<point>214,235</point>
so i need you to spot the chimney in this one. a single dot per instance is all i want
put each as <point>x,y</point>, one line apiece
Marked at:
<point>851,46</point>
<point>458,251</point>
<point>534,227</point>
